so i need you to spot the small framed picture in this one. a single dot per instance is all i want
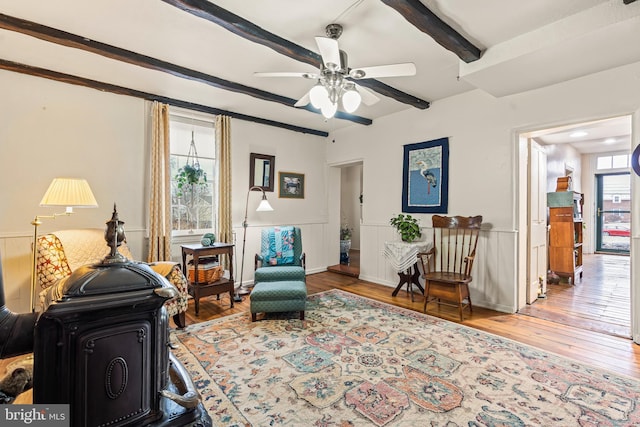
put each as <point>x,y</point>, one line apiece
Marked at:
<point>291,185</point>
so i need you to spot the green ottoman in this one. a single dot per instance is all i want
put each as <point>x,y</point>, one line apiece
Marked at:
<point>272,297</point>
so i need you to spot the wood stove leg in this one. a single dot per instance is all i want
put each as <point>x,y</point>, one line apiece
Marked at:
<point>180,320</point>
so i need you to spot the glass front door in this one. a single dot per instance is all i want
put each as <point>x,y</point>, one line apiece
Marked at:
<point>613,215</point>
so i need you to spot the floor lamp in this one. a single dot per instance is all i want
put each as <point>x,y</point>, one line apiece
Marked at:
<point>264,206</point>
<point>68,192</point>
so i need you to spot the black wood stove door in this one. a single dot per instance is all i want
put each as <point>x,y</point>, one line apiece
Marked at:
<point>116,380</point>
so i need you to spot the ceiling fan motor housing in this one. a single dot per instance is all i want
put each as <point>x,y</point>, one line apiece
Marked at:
<point>333,31</point>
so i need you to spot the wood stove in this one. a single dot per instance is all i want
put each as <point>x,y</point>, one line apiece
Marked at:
<point>101,345</point>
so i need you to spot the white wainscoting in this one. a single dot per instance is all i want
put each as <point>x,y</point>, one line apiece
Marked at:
<point>494,283</point>
<point>15,255</point>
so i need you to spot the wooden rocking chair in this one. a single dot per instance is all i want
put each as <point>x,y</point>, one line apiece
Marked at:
<point>447,265</point>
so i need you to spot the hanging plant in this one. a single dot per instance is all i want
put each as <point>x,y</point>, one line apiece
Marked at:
<point>407,226</point>
<point>189,176</point>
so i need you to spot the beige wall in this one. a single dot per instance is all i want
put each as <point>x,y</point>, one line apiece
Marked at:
<point>50,129</point>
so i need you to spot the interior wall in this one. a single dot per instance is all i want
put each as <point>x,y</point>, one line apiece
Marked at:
<point>559,156</point>
<point>51,129</point>
<point>482,132</point>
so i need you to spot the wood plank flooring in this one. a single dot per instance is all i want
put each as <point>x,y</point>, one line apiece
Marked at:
<point>599,349</point>
<point>601,302</point>
<point>602,350</point>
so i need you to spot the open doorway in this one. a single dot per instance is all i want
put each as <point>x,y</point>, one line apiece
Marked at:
<point>601,301</point>
<point>351,199</point>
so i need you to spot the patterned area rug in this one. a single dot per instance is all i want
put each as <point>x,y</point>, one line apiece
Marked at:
<point>359,362</point>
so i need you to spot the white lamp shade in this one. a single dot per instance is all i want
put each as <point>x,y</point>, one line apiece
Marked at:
<point>351,100</point>
<point>69,192</point>
<point>329,109</point>
<point>264,206</point>
<point>318,95</point>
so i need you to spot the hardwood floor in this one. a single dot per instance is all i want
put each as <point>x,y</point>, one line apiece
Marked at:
<point>602,350</point>
<point>599,302</point>
<point>606,351</point>
<point>350,269</point>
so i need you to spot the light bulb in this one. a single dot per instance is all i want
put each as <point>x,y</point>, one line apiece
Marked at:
<point>318,95</point>
<point>329,109</point>
<point>351,99</point>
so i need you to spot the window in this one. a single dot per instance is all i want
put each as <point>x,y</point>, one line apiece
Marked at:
<point>619,161</point>
<point>192,144</point>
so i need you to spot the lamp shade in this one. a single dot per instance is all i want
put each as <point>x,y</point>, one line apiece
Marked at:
<point>70,192</point>
<point>329,110</point>
<point>264,206</point>
<point>351,98</point>
<point>318,95</point>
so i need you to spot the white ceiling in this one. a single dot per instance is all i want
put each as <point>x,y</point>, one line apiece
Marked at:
<point>597,136</point>
<point>525,45</point>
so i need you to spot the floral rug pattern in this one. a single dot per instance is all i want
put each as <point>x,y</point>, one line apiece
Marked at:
<point>359,362</point>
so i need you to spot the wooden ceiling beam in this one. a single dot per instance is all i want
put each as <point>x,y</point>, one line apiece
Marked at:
<point>120,90</point>
<point>64,38</point>
<point>426,21</point>
<point>250,31</point>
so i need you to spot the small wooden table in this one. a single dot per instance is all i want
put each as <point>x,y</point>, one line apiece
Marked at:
<point>198,290</point>
<point>403,258</point>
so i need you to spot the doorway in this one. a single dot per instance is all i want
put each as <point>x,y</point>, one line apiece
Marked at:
<point>351,199</point>
<point>613,213</point>
<point>605,289</point>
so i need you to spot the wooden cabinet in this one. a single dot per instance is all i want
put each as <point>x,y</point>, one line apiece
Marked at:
<point>565,234</point>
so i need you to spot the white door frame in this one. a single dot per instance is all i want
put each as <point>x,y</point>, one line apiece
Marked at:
<point>521,157</point>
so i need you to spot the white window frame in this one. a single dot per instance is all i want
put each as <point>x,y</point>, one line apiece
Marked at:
<point>181,124</point>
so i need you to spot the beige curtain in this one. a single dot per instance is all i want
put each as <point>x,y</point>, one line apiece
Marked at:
<point>223,141</point>
<point>160,197</point>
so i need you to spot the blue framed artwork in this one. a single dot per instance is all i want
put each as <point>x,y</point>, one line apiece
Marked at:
<point>425,182</point>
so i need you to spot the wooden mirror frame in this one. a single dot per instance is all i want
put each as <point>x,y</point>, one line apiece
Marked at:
<point>257,162</point>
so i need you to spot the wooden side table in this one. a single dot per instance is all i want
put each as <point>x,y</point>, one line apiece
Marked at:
<point>198,290</point>
<point>403,258</point>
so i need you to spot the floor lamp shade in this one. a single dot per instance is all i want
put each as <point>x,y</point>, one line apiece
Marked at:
<point>68,192</point>
<point>264,206</point>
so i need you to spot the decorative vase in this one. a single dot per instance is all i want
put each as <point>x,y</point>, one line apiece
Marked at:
<point>345,245</point>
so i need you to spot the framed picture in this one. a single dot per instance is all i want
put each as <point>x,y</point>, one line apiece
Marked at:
<point>291,185</point>
<point>425,182</point>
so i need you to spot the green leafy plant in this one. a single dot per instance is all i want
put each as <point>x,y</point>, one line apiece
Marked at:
<point>188,177</point>
<point>345,232</point>
<point>407,226</point>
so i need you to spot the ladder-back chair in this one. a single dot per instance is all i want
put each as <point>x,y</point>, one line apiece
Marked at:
<point>447,265</point>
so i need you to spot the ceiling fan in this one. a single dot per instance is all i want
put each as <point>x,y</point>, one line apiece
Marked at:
<point>335,80</point>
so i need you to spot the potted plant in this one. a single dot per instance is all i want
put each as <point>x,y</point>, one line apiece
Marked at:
<point>407,226</point>
<point>345,243</point>
<point>189,176</point>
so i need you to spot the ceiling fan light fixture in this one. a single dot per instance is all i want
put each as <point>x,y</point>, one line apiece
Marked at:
<point>351,98</point>
<point>318,95</point>
<point>328,110</point>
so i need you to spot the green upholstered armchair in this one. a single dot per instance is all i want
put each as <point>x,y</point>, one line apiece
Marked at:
<point>291,268</point>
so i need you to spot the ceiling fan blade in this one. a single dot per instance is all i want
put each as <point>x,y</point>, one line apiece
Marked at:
<point>303,101</point>
<point>391,70</point>
<point>368,98</point>
<point>329,51</point>
<point>287,74</point>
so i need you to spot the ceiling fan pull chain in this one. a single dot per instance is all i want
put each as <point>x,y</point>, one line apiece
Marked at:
<point>353,6</point>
